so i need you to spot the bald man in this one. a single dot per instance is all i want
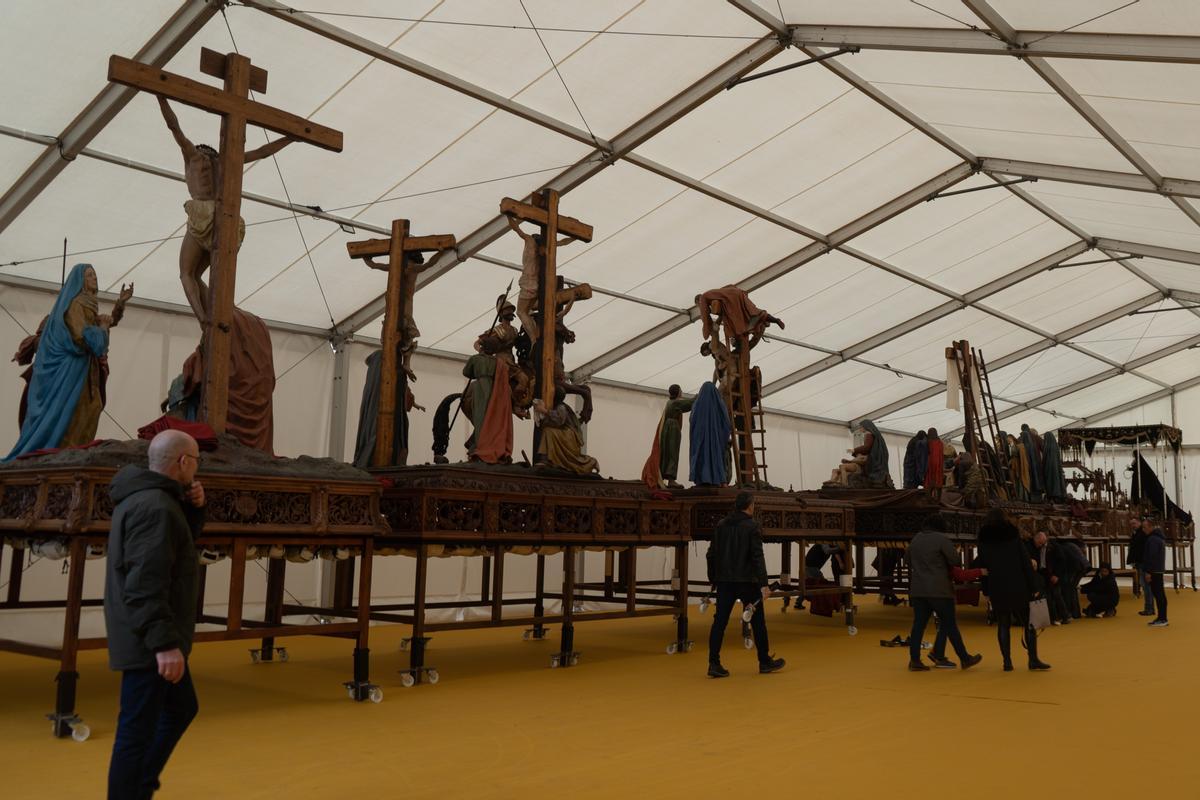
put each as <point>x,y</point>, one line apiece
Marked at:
<point>150,608</point>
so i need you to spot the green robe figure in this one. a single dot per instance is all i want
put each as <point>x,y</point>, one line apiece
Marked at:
<point>671,435</point>
<point>481,369</point>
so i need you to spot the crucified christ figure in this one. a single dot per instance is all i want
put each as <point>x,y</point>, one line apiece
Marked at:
<point>414,266</point>
<point>530,276</point>
<point>202,173</point>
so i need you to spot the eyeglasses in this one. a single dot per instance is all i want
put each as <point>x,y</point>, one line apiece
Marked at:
<point>189,455</point>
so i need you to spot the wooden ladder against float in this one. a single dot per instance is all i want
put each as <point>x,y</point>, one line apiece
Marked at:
<point>744,399</point>
<point>990,459</point>
<point>1003,468</point>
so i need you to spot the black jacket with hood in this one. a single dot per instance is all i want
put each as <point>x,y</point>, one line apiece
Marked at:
<point>735,554</point>
<point>150,582</point>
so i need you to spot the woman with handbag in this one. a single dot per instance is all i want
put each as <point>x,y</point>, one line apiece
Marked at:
<point>1013,586</point>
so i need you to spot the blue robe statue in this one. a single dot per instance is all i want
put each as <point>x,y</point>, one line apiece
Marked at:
<point>709,438</point>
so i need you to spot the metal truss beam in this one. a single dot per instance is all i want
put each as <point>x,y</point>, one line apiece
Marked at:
<point>1024,44</point>
<point>782,267</point>
<point>1023,353</point>
<point>162,46</point>
<point>1138,403</point>
<point>1150,251</point>
<point>1100,377</point>
<point>1090,177</point>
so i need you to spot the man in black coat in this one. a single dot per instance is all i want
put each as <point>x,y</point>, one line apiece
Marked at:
<point>737,570</point>
<point>1103,594</point>
<point>1154,562</point>
<point>150,608</point>
<point>1012,583</point>
<point>1133,557</point>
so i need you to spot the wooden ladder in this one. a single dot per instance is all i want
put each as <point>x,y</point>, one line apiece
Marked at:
<point>973,438</point>
<point>989,407</point>
<point>746,412</point>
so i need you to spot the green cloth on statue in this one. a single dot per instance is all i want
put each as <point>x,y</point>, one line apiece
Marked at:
<point>671,436</point>
<point>481,369</point>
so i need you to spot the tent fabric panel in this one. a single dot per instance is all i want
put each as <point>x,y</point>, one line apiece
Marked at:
<point>845,391</point>
<point>1175,368</point>
<point>1104,395</point>
<point>1172,274</point>
<point>1042,373</point>
<point>1180,17</point>
<point>923,350</point>
<point>931,413</point>
<point>1120,214</point>
<point>1135,336</point>
<point>1059,299</point>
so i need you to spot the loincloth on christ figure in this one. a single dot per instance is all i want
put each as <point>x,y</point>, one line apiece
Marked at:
<point>201,222</point>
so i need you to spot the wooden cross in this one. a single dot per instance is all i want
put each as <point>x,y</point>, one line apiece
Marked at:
<point>236,110</point>
<point>402,280</point>
<point>543,212</point>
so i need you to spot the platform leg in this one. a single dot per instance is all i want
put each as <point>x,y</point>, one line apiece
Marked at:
<point>361,688</point>
<point>608,574</point>
<point>631,580</point>
<point>416,657</point>
<point>485,589</point>
<point>201,585</point>
<point>15,571</point>
<point>64,720</point>
<point>498,583</point>
<point>679,583</point>
<point>276,576</point>
<point>539,600</point>
<point>566,655</point>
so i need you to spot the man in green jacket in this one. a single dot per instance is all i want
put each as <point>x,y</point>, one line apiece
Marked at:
<point>150,608</point>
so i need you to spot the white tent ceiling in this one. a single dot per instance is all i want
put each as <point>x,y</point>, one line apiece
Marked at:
<point>808,187</point>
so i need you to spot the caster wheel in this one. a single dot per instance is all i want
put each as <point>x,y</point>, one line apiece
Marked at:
<point>350,692</point>
<point>574,660</point>
<point>255,656</point>
<point>703,607</point>
<point>554,662</point>
<point>375,695</point>
<point>404,644</point>
<point>672,649</point>
<point>687,647</point>
<point>407,680</point>
<point>748,643</point>
<point>80,732</point>
<point>282,653</point>
<point>853,631</point>
<point>432,676</point>
<point>525,635</point>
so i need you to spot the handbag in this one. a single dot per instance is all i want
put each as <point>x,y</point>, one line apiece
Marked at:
<point>1039,614</point>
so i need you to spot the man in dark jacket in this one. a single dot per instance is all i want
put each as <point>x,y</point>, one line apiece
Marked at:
<point>1154,562</point>
<point>1135,557</point>
<point>150,608</point>
<point>1103,594</point>
<point>933,565</point>
<point>738,571</point>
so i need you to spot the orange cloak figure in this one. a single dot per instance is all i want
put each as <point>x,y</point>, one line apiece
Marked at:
<point>494,440</point>
<point>652,472</point>
<point>739,316</point>
<point>935,471</point>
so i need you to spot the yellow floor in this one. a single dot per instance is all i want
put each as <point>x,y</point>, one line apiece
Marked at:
<point>843,720</point>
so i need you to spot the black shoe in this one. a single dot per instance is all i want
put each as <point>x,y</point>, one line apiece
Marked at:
<point>1008,667</point>
<point>774,665</point>
<point>1038,666</point>
<point>1159,623</point>
<point>917,666</point>
<point>717,671</point>
<point>971,661</point>
<point>941,662</point>
<point>1145,613</point>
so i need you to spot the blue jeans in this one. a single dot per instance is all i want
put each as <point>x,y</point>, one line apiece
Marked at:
<point>1147,590</point>
<point>154,714</point>
<point>923,609</point>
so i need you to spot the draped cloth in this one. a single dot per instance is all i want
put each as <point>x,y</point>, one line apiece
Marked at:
<point>709,438</point>
<point>1034,462</point>
<point>1052,470</point>
<point>562,441</point>
<point>652,469</point>
<point>250,417</point>
<point>935,472</point>
<point>739,316</point>
<point>916,462</point>
<point>877,471</point>
<point>65,390</point>
<point>368,414</point>
<point>205,438</point>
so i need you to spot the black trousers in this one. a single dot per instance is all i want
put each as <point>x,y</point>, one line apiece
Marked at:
<point>925,607</point>
<point>154,714</point>
<point>1019,618</point>
<point>1160,594</point>
<point>727,595</point>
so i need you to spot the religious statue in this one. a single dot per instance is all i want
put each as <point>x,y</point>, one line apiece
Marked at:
<point>530,280</point>
<point>368,415</point>
<point>561,441</point>
<point>916,460</point>
<point>66,390</point>
<point>735,313</point>
<point>487,402</point>
<point>26,350</point>
<point>1053,479</point>
<point>970,489</point>
<point>935,472</point>
<point>409,333</point>
<point>724,363</point>
<point>867,466</point>
<point>663,463</point>
<point>201,169</point>
<point>709,438</point>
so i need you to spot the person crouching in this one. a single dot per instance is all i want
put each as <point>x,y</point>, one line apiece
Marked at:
<point>1102,593</point>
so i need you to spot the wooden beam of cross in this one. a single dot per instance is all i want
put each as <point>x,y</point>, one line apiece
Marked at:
<point>397,316</point>
<point>543,212</point>
<point>237,110</point>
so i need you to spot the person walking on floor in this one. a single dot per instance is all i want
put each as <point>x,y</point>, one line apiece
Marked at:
<point>1154,562</point>
<point>737,570</point>
<point>1137,558</point>
<point>1012,583</point>
<point>150,609</point>
<point>933,568</point>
